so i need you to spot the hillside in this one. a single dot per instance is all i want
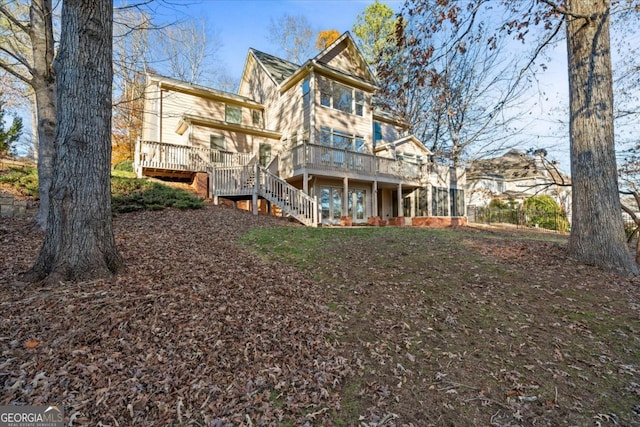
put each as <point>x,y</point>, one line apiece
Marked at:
<point>223,318</point>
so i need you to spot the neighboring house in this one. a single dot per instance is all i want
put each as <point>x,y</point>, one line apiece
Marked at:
<point>514,177</point>
<point>304,138</point>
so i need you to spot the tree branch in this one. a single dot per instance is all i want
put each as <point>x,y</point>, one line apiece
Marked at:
<point>14,73</point>
<point>18,58</point>
<point>10,17</point>
<point>564,11</point>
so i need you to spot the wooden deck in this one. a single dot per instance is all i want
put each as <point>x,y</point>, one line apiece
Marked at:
<point>322,160</point>
<point>238,176</point>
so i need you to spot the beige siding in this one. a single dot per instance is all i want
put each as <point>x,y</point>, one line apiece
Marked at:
<point>235,141</point>
<point>345,58</point>
<point>409,147</point>
<point>390,132</point>
<point>258,86</point>
<point>290,118</point>
<point>345,122</point>
<point>150,117</point>
<point>176,104</point>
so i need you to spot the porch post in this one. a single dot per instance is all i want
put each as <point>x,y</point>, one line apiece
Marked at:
<point>214,189</point>
<point>374,199</point>
<point>316,212</point>
<point>400,209</point>
<point>305,182</point>
<point>256,187</point>
<point>345,197</point>
<point>136,158</point>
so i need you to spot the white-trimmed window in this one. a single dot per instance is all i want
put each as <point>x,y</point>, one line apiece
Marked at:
<point>306,94</point>
<point>341,97</point>
<point>217,142</point>
<point>233,114</point>
<point>377,133</point>
<point>456,197</point>
<point>256,117</point>
<point>342,140</point>
<point>409,158</point>
<point>325,92</point>
<point>264,154</point>
<point>360,101</point>
<point>440,201</point>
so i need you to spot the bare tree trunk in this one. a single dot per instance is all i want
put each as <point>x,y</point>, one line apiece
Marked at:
<point>79,243</point>
<point>43,84</point>
<point>597,232</point>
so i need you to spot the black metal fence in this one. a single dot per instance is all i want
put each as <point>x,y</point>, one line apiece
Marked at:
<point>519,217</point>
<point>629,224</point>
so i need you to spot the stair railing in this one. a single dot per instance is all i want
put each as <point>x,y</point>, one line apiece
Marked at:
<point>290,199</point>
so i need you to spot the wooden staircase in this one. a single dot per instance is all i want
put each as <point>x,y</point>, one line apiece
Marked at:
<point>256,182</point>
<point>231,175</point>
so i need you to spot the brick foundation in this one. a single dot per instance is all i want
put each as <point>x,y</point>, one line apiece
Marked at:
<point>201,184</point>
<point>345,221</point>
<point>398,221</point>
<point>373,221</point>
<point>439,221</point>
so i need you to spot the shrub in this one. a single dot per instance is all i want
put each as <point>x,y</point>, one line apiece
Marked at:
<point>545,212</point>
<point>125,166</point>
<point>131,194</point>
<point>498,204</point>
<point>23,179</point>
<point>127,194</point>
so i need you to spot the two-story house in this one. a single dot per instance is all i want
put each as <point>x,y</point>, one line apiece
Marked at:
<point>304,138</point>
<point>514,177</point>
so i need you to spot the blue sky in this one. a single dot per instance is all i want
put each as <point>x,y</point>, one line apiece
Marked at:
<point>244,24</point>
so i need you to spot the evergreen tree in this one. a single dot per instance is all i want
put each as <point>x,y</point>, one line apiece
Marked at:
<point>9,136</point>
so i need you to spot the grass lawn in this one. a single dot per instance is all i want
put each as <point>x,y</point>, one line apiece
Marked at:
<point>468,327</point>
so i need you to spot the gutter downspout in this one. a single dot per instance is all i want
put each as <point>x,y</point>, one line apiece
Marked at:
<point>160,114</point>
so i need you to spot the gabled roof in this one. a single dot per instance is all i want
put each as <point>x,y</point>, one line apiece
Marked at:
<point>345,37</point>
<point>171,83</point>
<point>411,139</point>
<point>283,73</point>
<point>277,69</point>
<point>514,165</point>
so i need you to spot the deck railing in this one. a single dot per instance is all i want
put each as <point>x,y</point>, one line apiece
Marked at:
<point>290,199</point>
<point>158,155</point>
<point>319,157</point>
<point>233,180</point>
<point>256,181</point>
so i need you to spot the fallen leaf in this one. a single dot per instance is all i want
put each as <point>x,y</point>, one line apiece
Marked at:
<point>30,344</point>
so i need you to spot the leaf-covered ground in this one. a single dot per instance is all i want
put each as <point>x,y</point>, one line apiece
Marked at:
<point>223,318</point>
<point>197,331</point>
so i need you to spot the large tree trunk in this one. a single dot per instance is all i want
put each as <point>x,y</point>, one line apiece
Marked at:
<point>79,243</point>
<point>597,231</point>
<point>43,85</point>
